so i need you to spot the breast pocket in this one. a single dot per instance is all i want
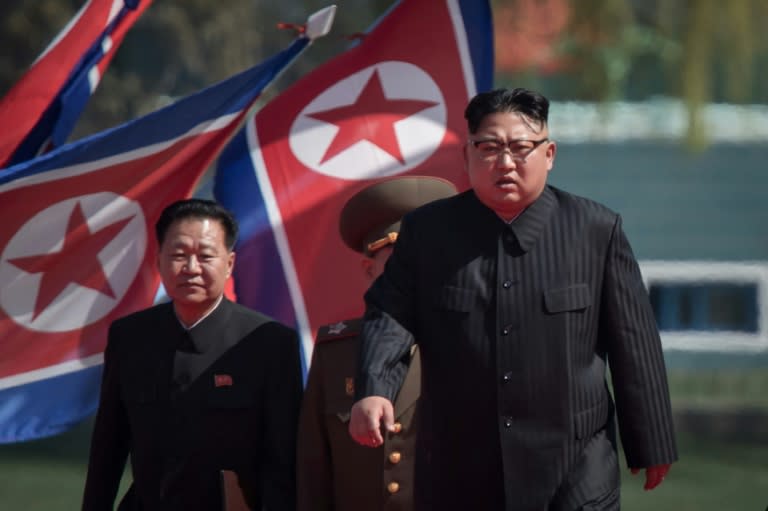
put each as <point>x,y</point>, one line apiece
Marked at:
<point>572,298</point>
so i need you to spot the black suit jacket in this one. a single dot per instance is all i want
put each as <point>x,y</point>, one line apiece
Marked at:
<point>186,404</point>
<point>517,324</point>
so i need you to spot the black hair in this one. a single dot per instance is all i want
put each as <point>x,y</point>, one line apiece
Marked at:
<point>197,209</point>
<point>532,105</point>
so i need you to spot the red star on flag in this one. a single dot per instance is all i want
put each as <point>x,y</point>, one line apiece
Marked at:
<point>371,117</point>
<point>76,262</point>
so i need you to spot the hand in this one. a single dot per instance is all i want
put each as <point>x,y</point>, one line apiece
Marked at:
<point>365,420</point>
<point>653,475</point>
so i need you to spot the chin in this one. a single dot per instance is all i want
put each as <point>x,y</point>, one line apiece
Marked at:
<point>191,299</point>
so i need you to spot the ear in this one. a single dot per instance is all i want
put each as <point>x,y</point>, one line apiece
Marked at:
<point>551,152</point>
<point>230,263</point>
<point>366,264</point>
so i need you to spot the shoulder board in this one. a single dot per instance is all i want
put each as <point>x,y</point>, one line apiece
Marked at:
<point>340,330</point>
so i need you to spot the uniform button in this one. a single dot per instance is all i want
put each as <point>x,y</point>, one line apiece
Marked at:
<point>506,378</point>
<point>394,457</point>
<point>507,284</point>
<point>504,331</point>
<point>393,487</point>
<point>507,422</point>
<point>397,428</point>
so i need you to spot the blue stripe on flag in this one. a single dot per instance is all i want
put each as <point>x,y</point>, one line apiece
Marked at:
<point>48,405</point>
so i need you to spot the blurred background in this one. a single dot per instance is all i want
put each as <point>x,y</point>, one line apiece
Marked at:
<point>660,111</point>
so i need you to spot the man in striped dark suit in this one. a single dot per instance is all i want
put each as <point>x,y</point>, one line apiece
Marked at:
<point>521,295</point>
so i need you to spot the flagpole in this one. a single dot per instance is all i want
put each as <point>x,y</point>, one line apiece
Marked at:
<point>318,25</point>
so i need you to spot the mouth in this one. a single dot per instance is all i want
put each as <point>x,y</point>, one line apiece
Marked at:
<point>507,183</point>
<point>189,285</point>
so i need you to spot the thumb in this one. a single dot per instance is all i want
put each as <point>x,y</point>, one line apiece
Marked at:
<point>388,416</point>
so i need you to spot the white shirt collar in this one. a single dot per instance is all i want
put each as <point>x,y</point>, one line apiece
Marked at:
<point>208,313</point>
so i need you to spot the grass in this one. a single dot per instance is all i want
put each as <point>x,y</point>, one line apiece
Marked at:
<point>710,475</point>
<point>46,474</point>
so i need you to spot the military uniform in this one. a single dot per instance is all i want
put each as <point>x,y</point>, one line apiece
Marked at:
<point>330,462</point>
<point>334,473</point>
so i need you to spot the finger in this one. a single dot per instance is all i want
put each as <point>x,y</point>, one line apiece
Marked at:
<point>388,414</point>
<point>375,438</point>
<point>653,478</point>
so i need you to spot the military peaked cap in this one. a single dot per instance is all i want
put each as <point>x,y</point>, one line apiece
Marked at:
<point>371,218</point>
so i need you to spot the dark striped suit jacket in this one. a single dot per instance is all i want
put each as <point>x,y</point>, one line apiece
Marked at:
<point>517,324</point>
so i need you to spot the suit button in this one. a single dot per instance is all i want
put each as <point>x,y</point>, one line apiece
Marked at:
<point>504,331</point>
<point>397,428</point>
<point>394,457</point>
<point>507,423</point>
<point>507,284</point>
<point>506,378</point>
<point>393,487</point>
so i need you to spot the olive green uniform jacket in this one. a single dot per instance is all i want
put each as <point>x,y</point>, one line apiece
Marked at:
<point>334,472</point>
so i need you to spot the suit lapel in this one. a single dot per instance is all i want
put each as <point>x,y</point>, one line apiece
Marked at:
<point>531,222</point>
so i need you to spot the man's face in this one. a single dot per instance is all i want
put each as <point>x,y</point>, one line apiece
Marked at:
<point>508,160</point>
<point>194,264</point>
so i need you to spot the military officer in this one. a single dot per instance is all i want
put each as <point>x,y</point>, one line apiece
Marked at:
<point>335,473</point>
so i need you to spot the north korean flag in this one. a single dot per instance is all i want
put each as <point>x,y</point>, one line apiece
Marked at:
<point>40,111</point>
<point>391,105</point>
<point>76,248</point>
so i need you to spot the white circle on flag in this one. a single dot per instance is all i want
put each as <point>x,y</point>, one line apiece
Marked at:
<point>120,257</point>
<point>367,153</point>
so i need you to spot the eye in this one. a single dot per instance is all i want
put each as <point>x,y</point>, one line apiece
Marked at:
<point>488,146</point>
<point>521,147</point>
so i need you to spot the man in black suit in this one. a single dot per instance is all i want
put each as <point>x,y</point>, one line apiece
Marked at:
<point>197,385</point>
<point>520,295</point>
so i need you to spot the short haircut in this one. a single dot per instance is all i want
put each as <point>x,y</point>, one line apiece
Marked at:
<point>532,105</point>
<point>199,209</point>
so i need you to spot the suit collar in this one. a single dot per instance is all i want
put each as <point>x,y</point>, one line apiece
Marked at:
<point>528,225</point>
<point>531,222</point>
<point>208,332</point>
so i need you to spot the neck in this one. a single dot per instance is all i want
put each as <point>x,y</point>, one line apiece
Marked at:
<point>507,216</point>
<point>193,314</point>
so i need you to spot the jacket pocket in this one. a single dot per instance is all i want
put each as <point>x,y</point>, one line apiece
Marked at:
<point>564,299</point>
<point>588,422</point>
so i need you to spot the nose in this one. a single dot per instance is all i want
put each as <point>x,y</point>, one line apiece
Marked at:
<point>191,265</point>
<point>506,160</point>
